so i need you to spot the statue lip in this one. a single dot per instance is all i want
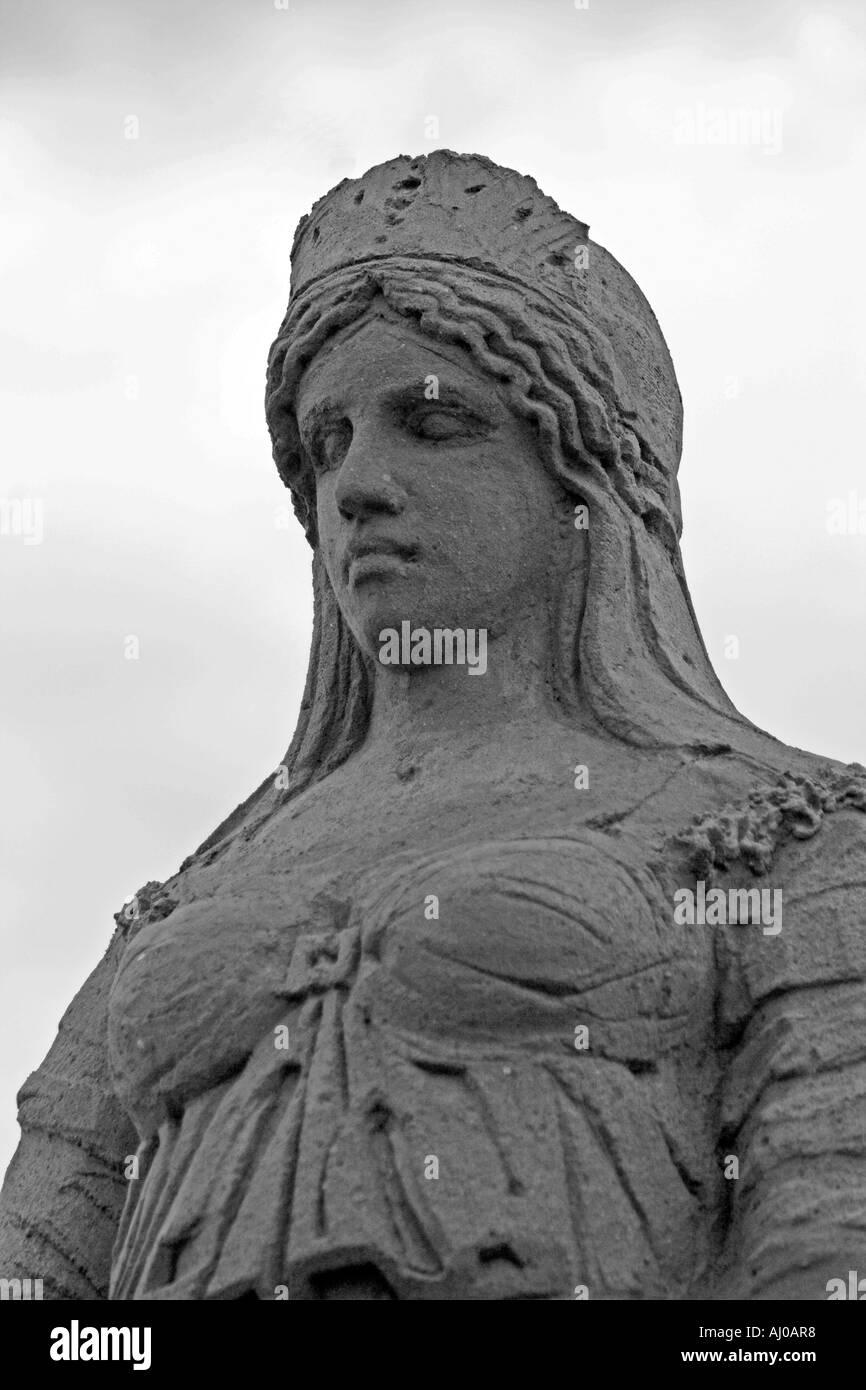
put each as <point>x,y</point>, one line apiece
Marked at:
<point>377,548</point>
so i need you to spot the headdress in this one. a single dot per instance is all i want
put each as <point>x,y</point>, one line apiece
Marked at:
<point>466,211</point>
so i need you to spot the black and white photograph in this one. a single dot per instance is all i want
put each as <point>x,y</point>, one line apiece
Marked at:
<point>433,539</point>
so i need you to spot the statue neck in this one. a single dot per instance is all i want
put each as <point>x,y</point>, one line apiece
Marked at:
<point>501,683</point>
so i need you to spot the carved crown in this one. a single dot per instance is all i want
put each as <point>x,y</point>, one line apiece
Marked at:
<point>467,210</point>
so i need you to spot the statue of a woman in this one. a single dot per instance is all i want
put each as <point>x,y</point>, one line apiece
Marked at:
<point>430,1015</point>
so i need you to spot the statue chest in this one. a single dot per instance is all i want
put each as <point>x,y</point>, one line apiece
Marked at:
<point>551,941</point>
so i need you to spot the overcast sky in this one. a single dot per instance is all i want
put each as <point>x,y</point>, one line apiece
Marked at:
<point>154,160</point>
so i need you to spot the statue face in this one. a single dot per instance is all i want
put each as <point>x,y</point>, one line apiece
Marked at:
<point>433,503</point>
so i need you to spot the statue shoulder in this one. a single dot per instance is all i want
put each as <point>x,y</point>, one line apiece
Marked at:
<point>773,822</point>
<point>801,841</point>
<point>70,1092</point>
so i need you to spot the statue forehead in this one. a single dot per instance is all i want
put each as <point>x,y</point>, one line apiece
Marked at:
<point>355,356</point>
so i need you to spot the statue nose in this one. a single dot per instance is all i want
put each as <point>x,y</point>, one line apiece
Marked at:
<point>366,484</point>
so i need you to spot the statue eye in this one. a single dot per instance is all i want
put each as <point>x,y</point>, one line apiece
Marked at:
<point>442,424</point>
<point>331,445</point>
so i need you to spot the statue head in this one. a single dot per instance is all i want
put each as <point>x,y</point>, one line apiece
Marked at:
<point>431,502</point>
<point>464,371</point>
